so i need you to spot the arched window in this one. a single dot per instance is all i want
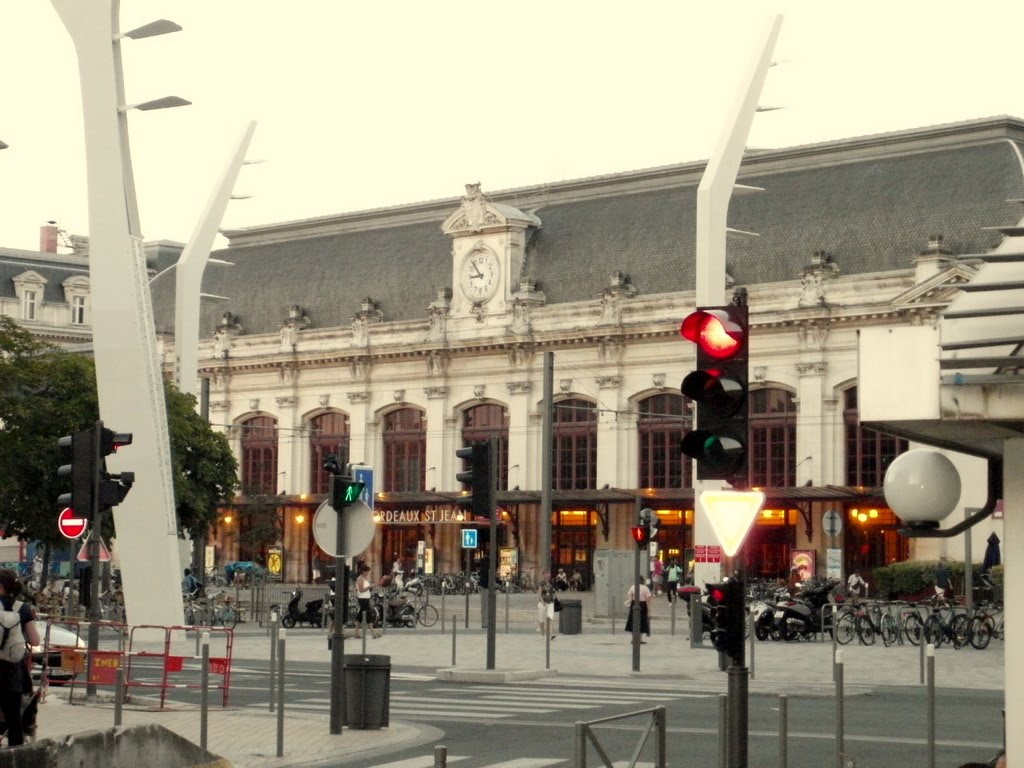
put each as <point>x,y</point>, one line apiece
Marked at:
<point>482,422</point>
<point>868,453</point>
<point>404,433</point>
<point>574,433</point>
<point>259,456</point>
<point>772,459</point>
<point>328,434</point>
<point>662,420</point>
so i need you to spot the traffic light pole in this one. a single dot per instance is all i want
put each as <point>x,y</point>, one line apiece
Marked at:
<point>338,635</point>
<point>738,687</point>
<point>635,606</point>
<point>93,551</point>
<point>492,556</point>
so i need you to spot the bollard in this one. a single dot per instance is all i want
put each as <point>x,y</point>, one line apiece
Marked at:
<point>440,757</point>
<point>580,739</point>
<point>783,729</point>
<point>118,696</point>
<point>273,658</point>
<point>921,662</point>
<point>835,642</point>
<point>547,642</point>
<point>753,637</point>
<point>839,709</point>
<point>507,590</point>
<point>672,626</point>
<point>696,622</point>
<point>281,638</point>
<point>204,692</point>
<point>723,730</point>
<point>931,705</point>
<point>363,633</point>
<point>443,622</point>
<point>454,622</point>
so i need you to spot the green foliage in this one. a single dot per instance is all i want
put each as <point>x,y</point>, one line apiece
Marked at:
<point>46,393</point>
<point>205,470</point>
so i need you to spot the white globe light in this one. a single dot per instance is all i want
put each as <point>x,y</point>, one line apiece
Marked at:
<point>922,487</point>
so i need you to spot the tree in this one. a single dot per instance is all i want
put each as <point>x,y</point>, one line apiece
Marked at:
<point>45,393</point>
<point>205,469</point>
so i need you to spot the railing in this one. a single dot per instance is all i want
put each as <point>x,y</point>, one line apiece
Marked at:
<point>585,733</point>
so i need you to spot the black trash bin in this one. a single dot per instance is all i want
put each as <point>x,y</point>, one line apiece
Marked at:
<point>367,692</point>
<point>570,618</point>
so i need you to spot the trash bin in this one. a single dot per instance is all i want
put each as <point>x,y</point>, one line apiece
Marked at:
<point>367,692</point>
<point>570,618</point>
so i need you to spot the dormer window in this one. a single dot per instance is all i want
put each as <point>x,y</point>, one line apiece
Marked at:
<point>76,294</point>
<point>29,305</point>
<point>78,310</point>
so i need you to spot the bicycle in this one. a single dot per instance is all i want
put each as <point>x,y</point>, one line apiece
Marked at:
<point>986,624</point>
<point>872,620</point>
<point>945,623</point>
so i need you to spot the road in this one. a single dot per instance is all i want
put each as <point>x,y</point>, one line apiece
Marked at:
<point>536,720</point>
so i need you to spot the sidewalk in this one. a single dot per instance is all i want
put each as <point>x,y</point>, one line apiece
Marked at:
<point>247,738</point>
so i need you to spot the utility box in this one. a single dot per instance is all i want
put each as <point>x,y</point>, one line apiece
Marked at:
<point>613,576</point>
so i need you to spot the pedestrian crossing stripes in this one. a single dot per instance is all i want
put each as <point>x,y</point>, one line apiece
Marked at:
<point>482,702</point>
<point>427,761</point>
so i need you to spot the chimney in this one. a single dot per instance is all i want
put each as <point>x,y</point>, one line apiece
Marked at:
<point>48,237</point>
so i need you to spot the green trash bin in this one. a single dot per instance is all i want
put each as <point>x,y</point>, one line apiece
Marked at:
<point>367,692</point>
<point>570,618</point>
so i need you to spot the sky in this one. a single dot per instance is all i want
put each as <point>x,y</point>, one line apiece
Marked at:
<point>369,104</point>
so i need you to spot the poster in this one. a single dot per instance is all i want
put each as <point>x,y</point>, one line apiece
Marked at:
<point>803,561</point>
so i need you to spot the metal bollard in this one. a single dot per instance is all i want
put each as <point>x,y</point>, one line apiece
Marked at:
<point>753,645</point>
<point>442,610</point>
<point>723,730</point>
<point>273,657</point>
<point>454,622</point>
<point>783,729</point>
<point>921,662</point>
<point>204,692</point>
<point>672,627</point>
<point>506,606</point>
<point>840,749</point>
<point>281,638</point>
<point>440,757</point>
<point>118,696</point>
<point>547,642</point>
<point>931,705</point>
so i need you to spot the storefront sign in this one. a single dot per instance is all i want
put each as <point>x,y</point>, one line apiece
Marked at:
<point>707,553</point>
<point>432,514</point>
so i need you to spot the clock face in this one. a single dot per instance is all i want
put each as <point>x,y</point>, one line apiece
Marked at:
<point>479,278</point>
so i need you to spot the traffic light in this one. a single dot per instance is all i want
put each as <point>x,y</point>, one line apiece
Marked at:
<point>478,476</point>
<point>344,491</point>
<point>649,519</point>
<point>719,388</point>
<point>728,617</point>
<point>640,535</point>
<point>81,471</point>
<point>112,487</point>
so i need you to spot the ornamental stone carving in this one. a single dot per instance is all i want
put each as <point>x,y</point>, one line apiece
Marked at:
<point>608,382</point>
<point>288,375</point>
<point>812,284</point>
<point>438,361</point>
<point>289,401</point>
<point>518,387</point>
<point>520,356</point>
<point>611,299</point>
<point>479,390</point>
<point>812,369</point>
<point>611,350</point>
<point>435,393</point>
<point>220,405</point>
<point>369,314</point>
<point>357,398</point>
<point>437,315</point>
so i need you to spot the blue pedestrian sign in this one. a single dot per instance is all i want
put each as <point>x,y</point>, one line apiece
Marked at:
<point>469,538</point>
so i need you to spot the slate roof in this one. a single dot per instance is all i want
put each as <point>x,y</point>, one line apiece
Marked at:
<point>872,202</point>
<point>54,268</point>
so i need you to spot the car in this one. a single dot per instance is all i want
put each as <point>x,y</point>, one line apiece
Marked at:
<point>61,638</point>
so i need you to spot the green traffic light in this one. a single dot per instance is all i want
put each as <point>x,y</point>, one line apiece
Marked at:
<point>353,492</point>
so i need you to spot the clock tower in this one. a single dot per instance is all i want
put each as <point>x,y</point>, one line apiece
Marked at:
<point>488,253</point>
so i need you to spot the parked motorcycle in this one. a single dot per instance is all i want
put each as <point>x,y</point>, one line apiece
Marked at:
<point>801,616</point>
<point>312,613</point>
<point>392,608</point>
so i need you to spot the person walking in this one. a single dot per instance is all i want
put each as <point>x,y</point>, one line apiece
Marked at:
<point>645,601</point>
<point>363,586</point>
<point>14,675</point>
<point>672,580</point>
<point>943,580</point>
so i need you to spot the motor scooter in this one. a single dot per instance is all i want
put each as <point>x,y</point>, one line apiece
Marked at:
<point>312,613</point>
<point>801,616</point>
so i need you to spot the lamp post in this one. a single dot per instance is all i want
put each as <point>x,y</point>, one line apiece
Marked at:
<point>127,364</point>
<point>731,514</point>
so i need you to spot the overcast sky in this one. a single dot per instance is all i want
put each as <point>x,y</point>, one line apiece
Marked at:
<point>367,104</point>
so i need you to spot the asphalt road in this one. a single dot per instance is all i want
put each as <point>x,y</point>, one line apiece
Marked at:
<point>531,724</point>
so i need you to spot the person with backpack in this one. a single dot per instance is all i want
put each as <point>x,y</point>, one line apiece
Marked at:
<point>18,630</point>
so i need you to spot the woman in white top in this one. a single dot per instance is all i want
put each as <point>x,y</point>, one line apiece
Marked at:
<point>363,596</point>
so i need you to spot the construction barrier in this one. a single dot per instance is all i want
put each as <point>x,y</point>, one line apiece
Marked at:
<point>65,656</point>
<point>177,654</point>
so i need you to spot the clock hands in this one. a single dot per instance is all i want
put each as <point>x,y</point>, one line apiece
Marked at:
<point>476,272</point>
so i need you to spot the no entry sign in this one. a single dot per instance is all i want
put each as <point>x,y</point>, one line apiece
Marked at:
<point>69,524</point>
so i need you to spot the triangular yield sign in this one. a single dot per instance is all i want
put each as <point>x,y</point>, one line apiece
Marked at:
<point>83,553</point>
<point>731,514</point>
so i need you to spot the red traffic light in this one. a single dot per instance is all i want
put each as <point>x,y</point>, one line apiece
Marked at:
<point>717,594</point>
<point>639,534</point>
<point>716,331</point>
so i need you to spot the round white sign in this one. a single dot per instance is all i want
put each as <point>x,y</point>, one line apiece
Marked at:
<point>359,528</point>
<point>832,522</point>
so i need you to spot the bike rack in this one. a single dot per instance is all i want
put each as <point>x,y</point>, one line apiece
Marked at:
<point>584,732</point>
<point>218,665</point>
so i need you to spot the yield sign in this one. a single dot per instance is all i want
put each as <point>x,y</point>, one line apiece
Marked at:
<point>71,525</point>
<point>83,553</point>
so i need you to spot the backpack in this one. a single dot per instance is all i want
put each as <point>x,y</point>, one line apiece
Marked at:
<point>12,645</point>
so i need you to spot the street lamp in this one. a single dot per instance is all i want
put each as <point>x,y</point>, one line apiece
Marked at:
<point>165,102</point>
<point>154,28</point>
<point>3,145</point>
